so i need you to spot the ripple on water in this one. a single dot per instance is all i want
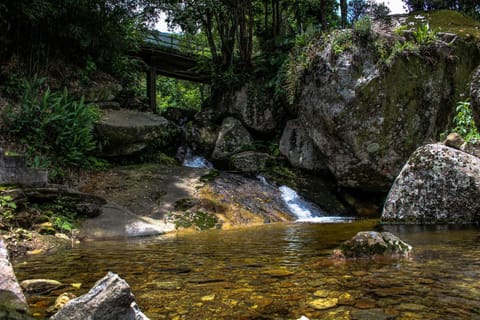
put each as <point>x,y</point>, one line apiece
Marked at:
<point>276,272</point>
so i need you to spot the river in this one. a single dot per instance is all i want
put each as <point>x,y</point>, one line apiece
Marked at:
<point>276,271</point>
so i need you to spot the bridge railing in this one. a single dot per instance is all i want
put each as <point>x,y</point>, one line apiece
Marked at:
<point>177,43</point>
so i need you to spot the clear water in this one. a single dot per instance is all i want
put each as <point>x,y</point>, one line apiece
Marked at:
<point>194,161</point>
<point>275,271</point>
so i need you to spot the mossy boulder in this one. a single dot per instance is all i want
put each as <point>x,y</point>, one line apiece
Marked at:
<point>253,104</point>
<point>367,108</point>
<point>438,185</point>
<point>126,132</point>
<point>372,244</point>
<point>232,138</point>
<point>249,161</point>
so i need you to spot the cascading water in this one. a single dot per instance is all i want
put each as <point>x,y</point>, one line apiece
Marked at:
<point>192,161</point>
<point>304,211</point>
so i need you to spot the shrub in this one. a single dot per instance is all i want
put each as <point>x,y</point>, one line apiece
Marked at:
<point>424,35</point>
<point>362,29</point>
<point>464,123</point>
<point>55,129</point>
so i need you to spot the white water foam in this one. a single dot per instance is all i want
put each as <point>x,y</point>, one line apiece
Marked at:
<point>193,161</point>
<point>306,211</point>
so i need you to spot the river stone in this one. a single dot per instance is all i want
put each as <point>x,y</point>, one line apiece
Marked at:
<point>300,150</point>
<point>40,286</point>
<point>368,117</point>
<point>437,185</point>
<point>232,138</point>
<point>109,299</point>
<point>126,132</point>
<point>475,95</point>
<point>11,294</point>
<point>323,303</point>
<point>471,147</point>
<point>249,161</point>
<point>371,244</point>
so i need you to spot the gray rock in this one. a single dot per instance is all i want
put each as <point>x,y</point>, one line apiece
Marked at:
<point>437,185</point>
<point>368,117</point>
<point>253,108</point>
<point>125,132</point>
<point>475,95</point>
<point>371,244</point>
<point>299,148</point>
<point>249,161</point>
<point>471,147</point>
<point>109,299</point>
<point>14,170</point>
<point>232,138</point>
<point>11,295</point>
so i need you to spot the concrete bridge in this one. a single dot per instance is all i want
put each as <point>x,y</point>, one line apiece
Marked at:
<point>170,55</point>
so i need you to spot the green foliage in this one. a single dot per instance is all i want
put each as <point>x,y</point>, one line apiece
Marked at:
<point>61,214</point>
<point>362,29</point>
<point>7,208</point>
<point>173,93</point>
<point>55,129</point>
<point>342,40</point>
<point>463,122</point>
<point>424,35</point>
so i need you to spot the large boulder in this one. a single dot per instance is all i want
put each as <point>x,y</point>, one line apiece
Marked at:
<point>299,148</point>
<point>254,108</point>
<point>249,161</point>
<point>109,299</point>
<point>437,185</point>
<point>11,294</point>
<point>475,95</point>
<point>232,138</point>
<point>368,115</point>
<point>126,132</point>
<point>372,244</point>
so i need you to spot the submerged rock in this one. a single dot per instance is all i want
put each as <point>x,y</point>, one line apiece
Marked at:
<point>126,132</point>
<point>372,244</point>
<point>109,299</point>
<point>40,286</point>
<point>232,138</point>
<point>437,185</point>
<point>11,295</point>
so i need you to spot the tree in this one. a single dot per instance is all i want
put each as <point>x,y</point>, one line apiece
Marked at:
<point>471,7</point>
<point>360,8</point>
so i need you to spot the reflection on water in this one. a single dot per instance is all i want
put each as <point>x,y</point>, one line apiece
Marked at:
<point>276,271</point>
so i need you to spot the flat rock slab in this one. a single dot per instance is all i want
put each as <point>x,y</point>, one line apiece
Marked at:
<point>125,132</point>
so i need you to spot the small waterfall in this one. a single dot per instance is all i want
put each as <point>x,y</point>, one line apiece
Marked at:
<point>192,161</point>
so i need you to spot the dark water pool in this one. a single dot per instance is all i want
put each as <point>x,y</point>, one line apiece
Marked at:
<point>278,272</point>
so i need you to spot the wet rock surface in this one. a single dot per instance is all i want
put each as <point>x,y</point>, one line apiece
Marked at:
<point>372,244</point>
<point>437,185</point>
<point>109,299</point>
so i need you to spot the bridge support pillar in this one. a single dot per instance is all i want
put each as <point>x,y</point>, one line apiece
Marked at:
<point>152,88</point>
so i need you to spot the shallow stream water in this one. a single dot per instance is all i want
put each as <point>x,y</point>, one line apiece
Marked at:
<point>276,272</point>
